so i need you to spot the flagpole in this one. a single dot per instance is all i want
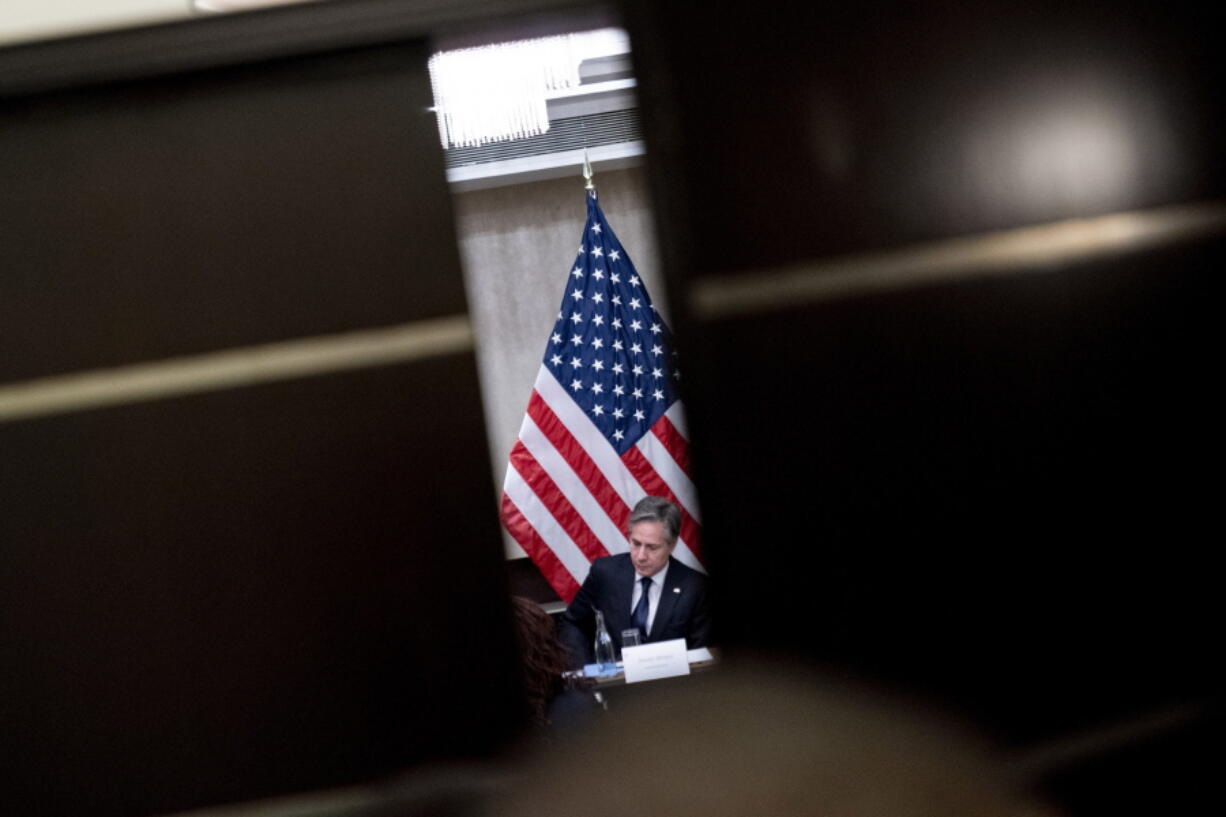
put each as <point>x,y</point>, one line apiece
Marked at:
<point>587,173</point>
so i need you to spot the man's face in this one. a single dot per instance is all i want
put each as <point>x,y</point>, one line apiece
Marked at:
<point>649,547</point>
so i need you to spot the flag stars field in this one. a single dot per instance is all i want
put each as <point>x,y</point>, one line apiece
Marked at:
<point>607,341</point>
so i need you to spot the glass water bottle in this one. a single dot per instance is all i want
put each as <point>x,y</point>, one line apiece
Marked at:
<point>603,648</point>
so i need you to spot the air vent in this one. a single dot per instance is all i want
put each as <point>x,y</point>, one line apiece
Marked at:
<point>572,133</point>
<point>600,116</point>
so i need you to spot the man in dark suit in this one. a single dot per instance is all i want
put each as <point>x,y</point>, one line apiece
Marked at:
<point>645,589</point>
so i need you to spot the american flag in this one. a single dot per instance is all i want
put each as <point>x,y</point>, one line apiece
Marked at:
<point>604,426</point>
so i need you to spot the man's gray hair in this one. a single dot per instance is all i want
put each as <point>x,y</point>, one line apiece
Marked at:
<point>658,509</point>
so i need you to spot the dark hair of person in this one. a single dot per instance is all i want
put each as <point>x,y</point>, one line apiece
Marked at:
<point>658,509</point>
<point>543,659</point>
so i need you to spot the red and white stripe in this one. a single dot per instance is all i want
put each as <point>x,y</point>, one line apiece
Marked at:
<point>567,494</point>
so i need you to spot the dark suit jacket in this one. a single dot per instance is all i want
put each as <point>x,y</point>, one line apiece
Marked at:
<point>609,587</point>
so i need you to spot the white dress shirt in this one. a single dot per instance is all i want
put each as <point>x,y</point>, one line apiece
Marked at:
<point>655,589</point>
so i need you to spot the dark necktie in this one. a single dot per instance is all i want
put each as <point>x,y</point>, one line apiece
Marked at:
<point>639,616</point>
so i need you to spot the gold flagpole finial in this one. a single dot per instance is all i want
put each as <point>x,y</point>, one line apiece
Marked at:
<point>587,172</point>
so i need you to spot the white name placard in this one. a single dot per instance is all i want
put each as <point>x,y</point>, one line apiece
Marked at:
<point>662,659</point>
